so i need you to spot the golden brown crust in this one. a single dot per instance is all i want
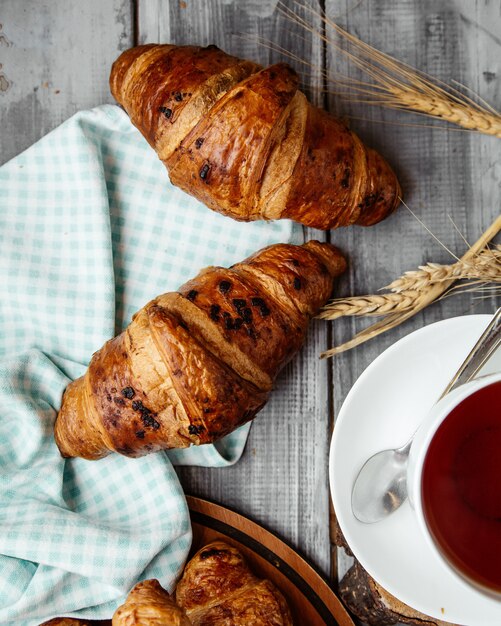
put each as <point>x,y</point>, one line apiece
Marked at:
<point>148,604</point>
<point>217,587</point>
<point>246,142</point>
<point>193,366</point>
<point>251,110</point>
<point>215,397</point>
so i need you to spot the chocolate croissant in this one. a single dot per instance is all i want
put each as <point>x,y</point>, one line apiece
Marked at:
<point>246,142</point>
<point>217,587</point>
<point>195,364</point>
<point>148,604</point>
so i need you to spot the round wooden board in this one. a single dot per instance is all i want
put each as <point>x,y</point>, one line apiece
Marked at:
<point>310,598</point>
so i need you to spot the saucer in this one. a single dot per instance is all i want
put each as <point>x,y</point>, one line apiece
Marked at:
<point>382,410</point>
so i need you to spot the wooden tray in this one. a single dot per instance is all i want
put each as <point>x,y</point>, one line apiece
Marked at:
<point>311,600</point>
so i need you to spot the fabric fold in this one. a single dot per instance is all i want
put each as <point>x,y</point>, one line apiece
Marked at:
<point>90,230</point>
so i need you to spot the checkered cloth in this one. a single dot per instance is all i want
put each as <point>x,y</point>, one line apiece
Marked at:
<point>90,230</point>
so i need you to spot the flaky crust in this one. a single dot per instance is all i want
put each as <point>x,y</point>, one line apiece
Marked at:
<point>148,604</point>
<point>194,365</point>
<point>246,142</point>
<point>218,588</point>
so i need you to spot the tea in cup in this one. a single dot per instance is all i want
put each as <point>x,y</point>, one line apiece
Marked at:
<point>454,480</point>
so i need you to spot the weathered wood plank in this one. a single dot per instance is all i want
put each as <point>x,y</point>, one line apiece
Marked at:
<point>55,58</point>
<point>282,479</point>
<point>443,172</point>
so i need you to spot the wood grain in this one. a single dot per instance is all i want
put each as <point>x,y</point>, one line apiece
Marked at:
<point>55,59</point>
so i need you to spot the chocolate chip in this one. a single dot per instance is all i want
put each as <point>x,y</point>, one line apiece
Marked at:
<point>367,202</point>
<point>295,262</point>
<point>128,392</point>
<point>239,304</point>
<point>140,434</point>
<point>166,111</point>
<point>149,420</point>
<point>199,142</point>
<point>297,283</point>
<point>204,172</point>
<point>178,97</point>
<point>247,315</point>
<point>214,312</point>
<point>147,416</point>
<point>195,430</point>
<point>119,401</point>
<point>261,304</point>
<point>192,294</point>
<point>228,323</point>
<point>224,286</point>
<point>238,323</point>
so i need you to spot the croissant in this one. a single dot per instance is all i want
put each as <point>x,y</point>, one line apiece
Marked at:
<point>217,587</point>
<point>194,365</point>
<point>148,604</point>
<point>246,142</point>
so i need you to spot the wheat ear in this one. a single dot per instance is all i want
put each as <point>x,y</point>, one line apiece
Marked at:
<point>485,267</point>
<point>427,295</point>
<point>395,84</point>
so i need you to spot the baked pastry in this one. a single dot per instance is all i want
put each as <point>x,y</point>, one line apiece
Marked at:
<point>246,142</point>
<point>218,588</point>
<point>148,604</point>
<point>195,364</point>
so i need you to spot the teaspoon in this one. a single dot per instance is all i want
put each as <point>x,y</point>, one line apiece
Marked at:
<point>381,484</point>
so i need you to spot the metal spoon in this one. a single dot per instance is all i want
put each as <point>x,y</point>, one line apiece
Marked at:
<point>381,486</point>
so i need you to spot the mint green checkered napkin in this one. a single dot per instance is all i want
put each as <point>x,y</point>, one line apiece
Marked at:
<point>90,230</point>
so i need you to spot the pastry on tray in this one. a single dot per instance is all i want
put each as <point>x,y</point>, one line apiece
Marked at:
<point>148,604</point>
<point>217,587</point>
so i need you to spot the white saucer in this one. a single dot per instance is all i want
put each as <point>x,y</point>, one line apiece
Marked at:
<point>382,410</point>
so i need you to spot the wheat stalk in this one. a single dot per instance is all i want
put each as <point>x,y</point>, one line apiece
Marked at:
<point>483,268</point>
<point>369,305</point>
<point>486,266</point>
<point>414,300</point>
<point>395,84</point>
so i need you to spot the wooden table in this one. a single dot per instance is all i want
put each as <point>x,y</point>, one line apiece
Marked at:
<point>56,56</point>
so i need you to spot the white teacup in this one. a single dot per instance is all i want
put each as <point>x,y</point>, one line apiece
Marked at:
<point>439,481</point>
